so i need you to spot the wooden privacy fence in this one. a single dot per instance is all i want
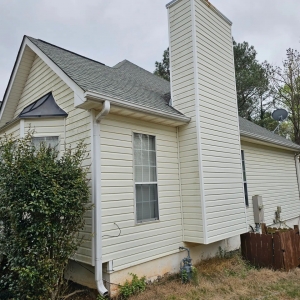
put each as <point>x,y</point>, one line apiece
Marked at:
<point>274,248</point>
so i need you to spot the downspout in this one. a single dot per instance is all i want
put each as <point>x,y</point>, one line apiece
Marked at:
<point>97,195</point>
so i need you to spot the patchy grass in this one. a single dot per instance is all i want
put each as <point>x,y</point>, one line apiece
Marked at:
<point>227,278</point>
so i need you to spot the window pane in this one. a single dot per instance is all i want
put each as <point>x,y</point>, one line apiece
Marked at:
<point>146,192</point>
<point>139,211</point>
<point>146,211</point>
<point>138,157</point>
<point>138,193</point>
<point>151,142</point>
<point>152,158</point>
<point>145,158</point>
<point>244,176</point>
<point>246,194</point>
<point>153,210</point>
<point>137,141</point>
<point>153,192</point>
<point>152,174</point>
<point>145,144</point>
<point>146,174</point>
<point>138,172</point>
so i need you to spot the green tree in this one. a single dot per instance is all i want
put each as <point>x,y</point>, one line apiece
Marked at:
<point>286,85</point>
<point>42,203</point>
<point>252,82</point>
<point>162,69</point>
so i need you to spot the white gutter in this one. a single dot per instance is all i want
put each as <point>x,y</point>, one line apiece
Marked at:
<point>122,103</point>
<point>96,157</point>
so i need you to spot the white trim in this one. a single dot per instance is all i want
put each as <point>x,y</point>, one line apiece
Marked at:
<point>122,103</point>
<point>170,60</point>
<point>179,177</point>
<point>22,128</point>
<point>239,135</point>
<point>197,114</point>
<point>10,83</point>
<point>206,2</point>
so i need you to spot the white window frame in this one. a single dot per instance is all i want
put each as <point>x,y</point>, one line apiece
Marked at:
<point>146,221</point>
<point>243,161</point>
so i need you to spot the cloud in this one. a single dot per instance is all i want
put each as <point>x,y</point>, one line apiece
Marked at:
<point>112,30</point>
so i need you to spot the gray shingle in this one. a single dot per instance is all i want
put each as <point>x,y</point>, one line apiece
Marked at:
<point>125,80</point>
<point>252,130</point>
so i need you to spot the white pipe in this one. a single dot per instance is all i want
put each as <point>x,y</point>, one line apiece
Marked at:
<point>97,196</point>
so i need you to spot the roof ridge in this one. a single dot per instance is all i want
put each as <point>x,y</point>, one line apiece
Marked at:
<point>66,50</point>
<point>118,65</point>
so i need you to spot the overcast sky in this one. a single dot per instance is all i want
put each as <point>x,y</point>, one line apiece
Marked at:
<point>112,30</point>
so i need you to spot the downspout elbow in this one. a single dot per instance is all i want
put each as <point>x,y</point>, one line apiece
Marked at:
<point>104,112</point>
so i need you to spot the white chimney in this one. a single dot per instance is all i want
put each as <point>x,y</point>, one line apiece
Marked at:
<point>203,88</point>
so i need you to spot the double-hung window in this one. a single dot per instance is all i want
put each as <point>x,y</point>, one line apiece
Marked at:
<point>146,195</point>
<point>245,178</point>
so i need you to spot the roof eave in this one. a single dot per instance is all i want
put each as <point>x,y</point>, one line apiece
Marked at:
<point>122,103</point>
<point>269,141</point>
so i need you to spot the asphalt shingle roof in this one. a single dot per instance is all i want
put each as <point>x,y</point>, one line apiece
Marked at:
<point>124,81</point>
<point>135,85</point>
<point>252,130</point>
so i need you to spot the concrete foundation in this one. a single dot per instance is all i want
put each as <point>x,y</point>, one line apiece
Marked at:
<point>84,274</point>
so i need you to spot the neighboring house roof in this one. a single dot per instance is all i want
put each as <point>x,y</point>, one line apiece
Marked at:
<point>125,81</point>
<point>251,130</point>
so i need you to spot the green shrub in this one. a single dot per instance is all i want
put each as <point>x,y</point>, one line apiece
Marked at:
<point>137,285</point>
<point>43,199</point>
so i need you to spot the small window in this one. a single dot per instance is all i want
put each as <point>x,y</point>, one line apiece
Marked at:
<point>245,178</point>
<point>146,195</point>
<point>51,141</point>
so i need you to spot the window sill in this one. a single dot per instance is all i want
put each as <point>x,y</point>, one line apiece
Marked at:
<point>146,222</point>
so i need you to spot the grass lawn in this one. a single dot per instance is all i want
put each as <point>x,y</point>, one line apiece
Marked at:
<point>227,278</point>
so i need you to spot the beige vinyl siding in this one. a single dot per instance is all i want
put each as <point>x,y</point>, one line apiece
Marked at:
<point>40,81</point>
<point>183,95</point>
<point>142,242</point>
<point>271,173</point>
<point>13,130</point>
<point>219,131</point>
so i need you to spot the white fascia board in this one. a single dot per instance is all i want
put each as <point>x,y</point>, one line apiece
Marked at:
<point>12,122</point>
<point>269,141</point>
<point>206,2</point>
<point>122,103</point>
<point>78,91</point>
<point>12,79</point>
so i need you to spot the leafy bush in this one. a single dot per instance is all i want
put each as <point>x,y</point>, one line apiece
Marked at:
<point>137,285</point>
<point>43,199</point>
